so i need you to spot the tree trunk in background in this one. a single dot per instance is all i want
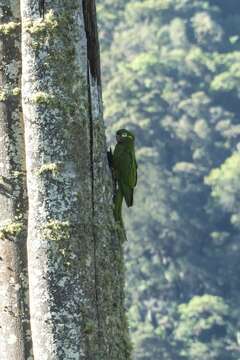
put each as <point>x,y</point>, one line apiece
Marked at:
<point>14,315</point>
<point>75,255</point>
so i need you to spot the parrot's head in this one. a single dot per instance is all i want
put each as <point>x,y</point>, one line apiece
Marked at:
<point>124,135</point>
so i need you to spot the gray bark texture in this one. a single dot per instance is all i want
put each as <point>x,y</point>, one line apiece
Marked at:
<point>75,257</point>
<point>15,341</point>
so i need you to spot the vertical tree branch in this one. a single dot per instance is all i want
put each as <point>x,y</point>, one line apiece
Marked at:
<point>15,340</point>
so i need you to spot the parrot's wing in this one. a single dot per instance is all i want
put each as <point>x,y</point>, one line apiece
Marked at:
<point>128,169</point>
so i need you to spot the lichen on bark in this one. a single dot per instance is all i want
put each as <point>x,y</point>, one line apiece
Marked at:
<point>53,168</point>
<point>57,230</point>
<point>11,230</point>
<point>7,92</point>
<point>9,28</point>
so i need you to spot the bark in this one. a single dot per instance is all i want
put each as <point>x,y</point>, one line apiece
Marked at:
<point>14,316</point>
<point>74,251</point>
<point>108,239</point>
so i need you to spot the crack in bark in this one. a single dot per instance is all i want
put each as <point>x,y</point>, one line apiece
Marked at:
<point>93,70</point>
<point>93,51</point>
<point>92,200</point>
<point>41,6</point>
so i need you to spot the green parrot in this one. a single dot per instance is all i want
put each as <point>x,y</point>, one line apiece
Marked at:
<point>124,171</point>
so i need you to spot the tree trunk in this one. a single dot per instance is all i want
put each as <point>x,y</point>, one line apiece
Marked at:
<point>75,254</point>
<point>108,251</point>
<point>14,315</point>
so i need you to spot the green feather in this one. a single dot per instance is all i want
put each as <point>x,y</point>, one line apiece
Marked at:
<point>125,165</point>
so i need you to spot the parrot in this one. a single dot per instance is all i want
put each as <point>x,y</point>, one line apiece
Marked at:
<point>124,171</point>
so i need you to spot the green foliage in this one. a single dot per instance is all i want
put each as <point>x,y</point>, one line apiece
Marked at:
<point>225,184</point>
<point>204,328</point>
<point>227,80</point>
<point>225,180</point>
<point>171,75</point>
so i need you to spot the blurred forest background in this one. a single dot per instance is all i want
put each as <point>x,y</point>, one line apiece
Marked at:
<point>171,73</point>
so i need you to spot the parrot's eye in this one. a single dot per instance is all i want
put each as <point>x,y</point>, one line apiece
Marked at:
<point>124,135</point>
